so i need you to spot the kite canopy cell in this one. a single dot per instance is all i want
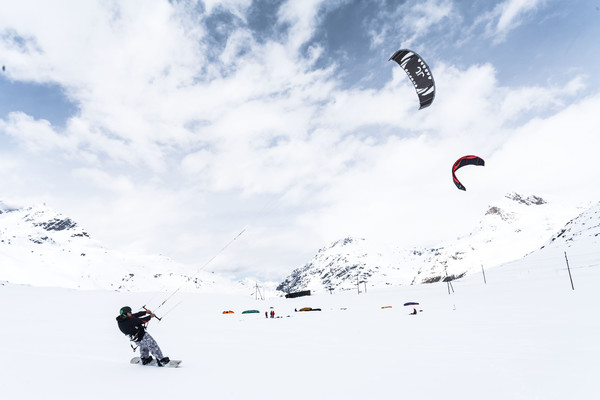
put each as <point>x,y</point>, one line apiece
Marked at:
<point>461,162</point>
<point>419,73</point>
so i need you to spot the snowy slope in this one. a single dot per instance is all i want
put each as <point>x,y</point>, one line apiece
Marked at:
<point>524,335</point>
<point>581,232</point>
<point>39,246</point>
<point>510,228</point>
<point>576,247</point>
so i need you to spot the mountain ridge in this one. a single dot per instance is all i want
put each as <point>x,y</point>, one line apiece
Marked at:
<point>510,229</point>
<point>41,247</point>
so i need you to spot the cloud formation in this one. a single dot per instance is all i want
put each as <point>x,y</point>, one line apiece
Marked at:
<point>508,15</point>
<point>196,119</point>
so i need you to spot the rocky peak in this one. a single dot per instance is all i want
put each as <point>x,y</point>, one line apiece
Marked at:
<point>506,216</point>
<point>530,200</point>
<point>4,208</point>
<point>56,224</point>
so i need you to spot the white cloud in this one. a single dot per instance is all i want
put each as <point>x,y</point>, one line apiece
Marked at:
<point>411,21</point>
<point>120,185</point>
<point>508,15</point>
<point>302,17</point>
<point>423,15</point>
<point>176,145</point>
<point>556,155</point>
<point>540,98</point>
<point>37,136</point>
<point>121,71</point>
<point>236,7</point>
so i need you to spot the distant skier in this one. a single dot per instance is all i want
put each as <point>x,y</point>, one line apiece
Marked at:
<point>134,326</point>
<point>414,312</point>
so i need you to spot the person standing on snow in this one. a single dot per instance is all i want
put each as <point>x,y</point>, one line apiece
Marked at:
<point>134,326</point>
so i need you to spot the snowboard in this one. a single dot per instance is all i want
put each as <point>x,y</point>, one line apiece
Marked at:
<point>171,364</point>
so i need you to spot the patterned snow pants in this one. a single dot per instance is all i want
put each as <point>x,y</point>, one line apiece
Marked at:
<point>148,345</point>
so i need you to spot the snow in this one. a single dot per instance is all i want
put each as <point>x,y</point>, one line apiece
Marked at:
<point>35,251</point>
<point>511,227</point>
<point>524,335</point>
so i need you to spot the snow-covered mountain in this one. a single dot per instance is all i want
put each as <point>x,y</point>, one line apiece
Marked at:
<point>511,228</point>
<point>41,247</point>
<point>577,243</point>
<point>580,232</point>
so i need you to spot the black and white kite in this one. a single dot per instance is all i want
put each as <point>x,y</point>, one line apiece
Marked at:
<point>419,73</point>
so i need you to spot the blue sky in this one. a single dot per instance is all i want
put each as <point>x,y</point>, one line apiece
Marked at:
<point>168,127</point>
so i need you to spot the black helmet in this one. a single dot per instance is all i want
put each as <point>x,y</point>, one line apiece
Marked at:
<point>125,310</point>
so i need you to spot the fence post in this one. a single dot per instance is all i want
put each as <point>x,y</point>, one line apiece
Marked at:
<point>569,269</point>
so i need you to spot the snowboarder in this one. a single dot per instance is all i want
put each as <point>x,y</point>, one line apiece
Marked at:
<point>414,312</point>
<point>134,326</point>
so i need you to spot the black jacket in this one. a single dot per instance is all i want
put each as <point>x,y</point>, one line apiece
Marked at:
<point>133,326</point>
